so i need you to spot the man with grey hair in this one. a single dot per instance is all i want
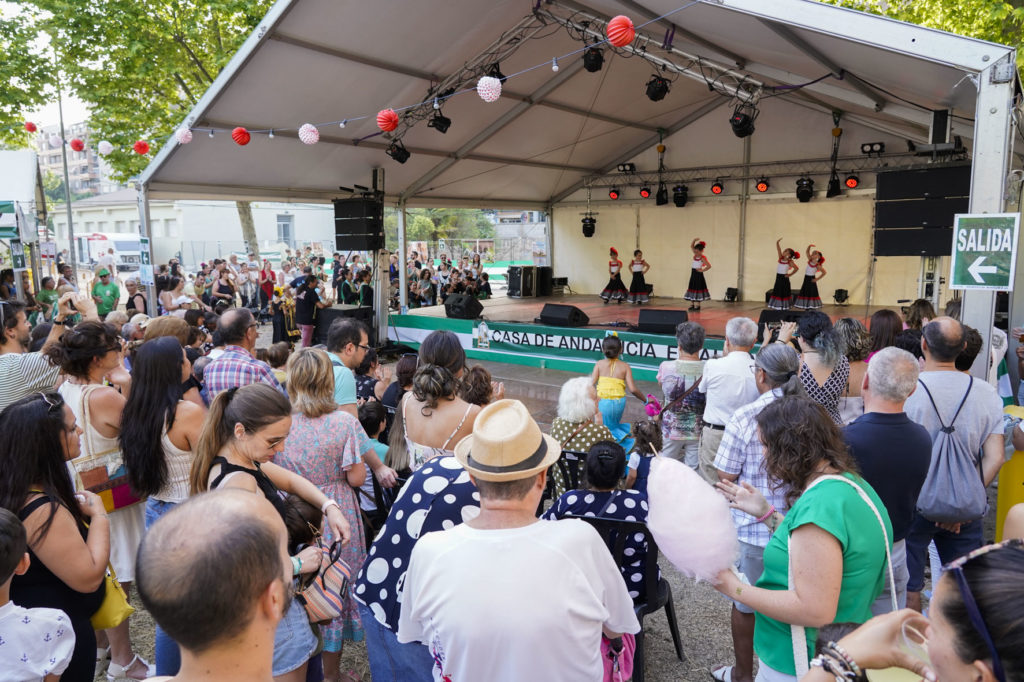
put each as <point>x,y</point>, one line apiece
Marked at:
<point>729,385</point>
<point>684,404</point>
<point>893,453</point>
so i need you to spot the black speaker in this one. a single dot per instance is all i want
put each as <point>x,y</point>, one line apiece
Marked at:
<point>919,212</point>
<point>919,241</point>
<point>558,315</point>
<point>514,276</point>
<point>325,316</point>
<point>462,307</point>
<point>545,280</point>
<point>358,224</point>
<point>925,183</point>
<point>772,319</point>
<point>658,321</point>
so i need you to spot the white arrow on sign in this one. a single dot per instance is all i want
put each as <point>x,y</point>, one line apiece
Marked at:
<point>977,269</point>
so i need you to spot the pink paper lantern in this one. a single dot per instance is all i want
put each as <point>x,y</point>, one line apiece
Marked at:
<point>183,135</point>
<point>489,88</point>
<point>309,134</point>
<point>104,147</point>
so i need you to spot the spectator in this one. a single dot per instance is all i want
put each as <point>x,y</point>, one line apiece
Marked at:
<point>307,302</point>
<point>729,384</point>
<point>972,347</point>
<point>47,298</point>
<point>117,319</point>
<point>266,282</point>
<point>136,302</point>
<point>347,341</point>
<point>919,313</point>
<point>68,556</point>
<point>325,446</point>
<point>833,541</point>
<point>824,369</point>
<point>244,430</point>
<point>856,341</point>
<point>648,443</point>
<point>892,452</point>
<point>105,262</point>
<point>277,358</point>
<point>67,278</point>
<point>483,289</point>
<point>223,289</point>
<point>23,373</point>
<point>167,326</point>
<point>683,409</point>
<point>371,377</point>
<point>365,289</point>
<point>478,388</point>
<point>40,333</point>
<point>105,293</point>
<point>373,419</point>
<point>433,418</point>
<point>577,426</point>
<point>978,427</point>
<point>427,289</point>
<point>235,366</point>
<point>220,594</point>
<point>741,460</point>
<point>563,565</point>
<point>8,291</point>
<point>884,326</point>
<point>910,341</point>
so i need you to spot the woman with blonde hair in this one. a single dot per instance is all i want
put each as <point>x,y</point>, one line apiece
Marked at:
<point>325,446</point>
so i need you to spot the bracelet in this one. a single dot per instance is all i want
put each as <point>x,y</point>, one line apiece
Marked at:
<point>767,514</point>
<point>837,651</point>
<point>829,666</point>
<point>328,503</point>
<point>296,565</point>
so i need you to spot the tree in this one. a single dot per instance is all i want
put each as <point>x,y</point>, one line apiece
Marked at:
<point>53,189</point>
<point>433,224</point>
<point>25,75</point>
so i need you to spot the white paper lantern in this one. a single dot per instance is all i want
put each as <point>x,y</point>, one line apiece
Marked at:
<point>184,135</point>
<point>55,141</point>
<point>104,147</point>
<point>489,88</point>
<point>309,134</point>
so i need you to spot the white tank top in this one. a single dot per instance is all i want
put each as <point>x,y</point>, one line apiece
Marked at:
<point>637,267</point>
<point>697,264</point>
<point>782,269</point>
<point>179,463</point>
<point>104,451</point>
<point>811,270</point>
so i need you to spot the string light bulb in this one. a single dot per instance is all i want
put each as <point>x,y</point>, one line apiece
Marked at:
<point>343,123</point>
<point>554,64</point>
<point>271,135</point>
<point>211,132</point>
<point>437,105</point>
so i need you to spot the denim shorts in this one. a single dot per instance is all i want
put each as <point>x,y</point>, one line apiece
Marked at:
<point>294,641</point>
<point>750,564</point>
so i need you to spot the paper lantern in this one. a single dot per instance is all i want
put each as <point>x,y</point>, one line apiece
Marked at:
<point>30,126</point>
<point>55,141</point>
<point>104,148</point>
<point>183,135</point>
<point>309,134</point>
<point>621,31</point>
<point>141,147</point>
<point>489,88</point>
<point>76,145</point>
<point>241,136</point>
<point>387,120</point>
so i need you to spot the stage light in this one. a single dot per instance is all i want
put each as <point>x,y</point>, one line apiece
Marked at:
<point>593,60</point>
<point>762,185</point>
<point>717,187</point>
<point>495,72</point>
<point>804,190</point>
<point>613,193</point>
<point>841,296</point>
<point>657,88</point>
<point>661,198</point>
<point>834,188</point>
<point>852,181</point>
<point>872,148</point>
<point>645,192</point>
<point>627,168</point>
<point>589,222</point>
<point>742,120</point>
<point>440,123</point>
<point>397,151</point>
<point>680,193</point>
<point>731,294</point>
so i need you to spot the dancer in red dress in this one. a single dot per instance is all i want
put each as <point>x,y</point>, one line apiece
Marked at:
<point>697,290</point>
<point>782,292</point>
<point>615,290</point>
<point>808,298</point>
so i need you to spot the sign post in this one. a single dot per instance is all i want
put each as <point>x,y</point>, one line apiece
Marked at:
<point>984,251</point>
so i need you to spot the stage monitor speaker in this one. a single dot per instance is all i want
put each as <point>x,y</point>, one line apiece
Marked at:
<point>462,307</point>
<point>773,319</point>
<point>545,280</point>
<point>514,276</point>
<point>325,316</point>
<point>919,212</point>
<point>919,241</point>
<point>358,224</point>
<point>658,321</point>
<point>558,315</point>
<point>925,183</point>
<point>522,281</point>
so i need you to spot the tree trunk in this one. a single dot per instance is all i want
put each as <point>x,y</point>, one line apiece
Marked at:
<point>248,227</point>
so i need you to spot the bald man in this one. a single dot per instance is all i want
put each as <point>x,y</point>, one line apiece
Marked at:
<point>235,366</point>
<point>218,593</point>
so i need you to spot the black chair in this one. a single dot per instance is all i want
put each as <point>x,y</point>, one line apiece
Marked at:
<point>569,466</point>
<point>657,592</point>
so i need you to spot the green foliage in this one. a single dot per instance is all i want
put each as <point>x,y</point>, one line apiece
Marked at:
<point>53,188</point>
<point>25,76</point>
<point>432,224</point>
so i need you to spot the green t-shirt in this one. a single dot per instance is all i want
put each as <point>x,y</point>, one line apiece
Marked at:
<point>109,295</point>
<point>49,297</point>
<point>838,509</point>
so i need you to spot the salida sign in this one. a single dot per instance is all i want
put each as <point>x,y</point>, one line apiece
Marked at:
<point>984,251</point>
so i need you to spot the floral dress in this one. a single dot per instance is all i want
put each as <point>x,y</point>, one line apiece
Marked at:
<point>321,450</point>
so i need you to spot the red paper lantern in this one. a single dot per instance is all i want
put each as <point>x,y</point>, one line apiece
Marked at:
<point>241,136</point>
<point>76,145</point>
<point>621,31</point>
<point>387,120</point>
<point>30,126</point>
<point>141,147</point>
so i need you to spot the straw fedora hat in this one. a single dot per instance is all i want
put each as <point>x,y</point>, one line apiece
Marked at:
<point>506,444</point>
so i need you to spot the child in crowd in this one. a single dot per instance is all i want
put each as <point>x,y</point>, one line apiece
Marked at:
<point>478,388</point>
<point>612,377</point>
<point>277,358</point>
<point>647,445</point>
<point>373,418</point>
<point>35,644</point>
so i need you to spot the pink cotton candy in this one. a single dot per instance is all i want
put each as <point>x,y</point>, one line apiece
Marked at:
<point>690,520</point>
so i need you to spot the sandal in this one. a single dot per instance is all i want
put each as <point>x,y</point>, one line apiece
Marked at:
<point>722,673</point>
<point>102,660</point>
<point>120,672</point>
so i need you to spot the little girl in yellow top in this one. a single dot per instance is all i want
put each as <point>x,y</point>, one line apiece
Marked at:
<point>612,377</point>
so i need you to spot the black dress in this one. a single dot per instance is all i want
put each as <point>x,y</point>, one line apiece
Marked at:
<point>639,291</point>
<point>615,290</point>
<point>697,289</point>
<point>808,298</point>
<point>782,292</point>
<point>40,588</point>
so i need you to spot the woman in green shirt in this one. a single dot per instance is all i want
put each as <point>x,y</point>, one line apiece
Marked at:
<point>831,535</point>
<point>47,298</point>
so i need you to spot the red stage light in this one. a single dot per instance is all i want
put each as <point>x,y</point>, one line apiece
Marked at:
<point>762,185</point>
<point>613,193</point>
<point>645,192</point>
<point>852,181</point>
<point>717,188</point>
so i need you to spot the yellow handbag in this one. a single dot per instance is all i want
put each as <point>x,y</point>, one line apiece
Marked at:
<point>115,608</point>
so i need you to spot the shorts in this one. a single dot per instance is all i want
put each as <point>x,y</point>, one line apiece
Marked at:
<point>294,641</point>
<point>751,565</point>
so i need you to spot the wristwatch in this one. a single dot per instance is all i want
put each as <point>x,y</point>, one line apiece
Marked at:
<point>59,322</point>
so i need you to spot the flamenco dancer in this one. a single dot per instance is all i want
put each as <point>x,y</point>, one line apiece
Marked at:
<point>639,291</point>
<point>615,290</point>
<point>782,293</point>
<point>808,298</point>
<point>697,290</point>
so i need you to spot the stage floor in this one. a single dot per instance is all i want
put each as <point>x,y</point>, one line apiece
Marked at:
<point>713,314</point>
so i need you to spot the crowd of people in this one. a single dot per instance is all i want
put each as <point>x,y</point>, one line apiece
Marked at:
<point>430,285</point>
<point>223,481</point>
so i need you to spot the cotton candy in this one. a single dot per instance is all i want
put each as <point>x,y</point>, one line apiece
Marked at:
<point>690,520</point>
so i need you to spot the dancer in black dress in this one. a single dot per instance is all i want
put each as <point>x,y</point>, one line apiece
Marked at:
<point>782,292</point>
<point>639,290</point>
<point>615,290</point>
<point>697,290</point>
<point>808,298</point>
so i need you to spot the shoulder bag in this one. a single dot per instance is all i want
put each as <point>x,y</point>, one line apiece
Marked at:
<point>101,472</point>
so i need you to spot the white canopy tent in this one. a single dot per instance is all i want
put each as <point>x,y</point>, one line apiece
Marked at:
<point>552,132</point>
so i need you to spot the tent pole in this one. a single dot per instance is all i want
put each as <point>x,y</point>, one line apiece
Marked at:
<point>146,256</point>
<point>744,196</point>
<point>990,156</point>
<point>549,236</point>
<point>403,256</point>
